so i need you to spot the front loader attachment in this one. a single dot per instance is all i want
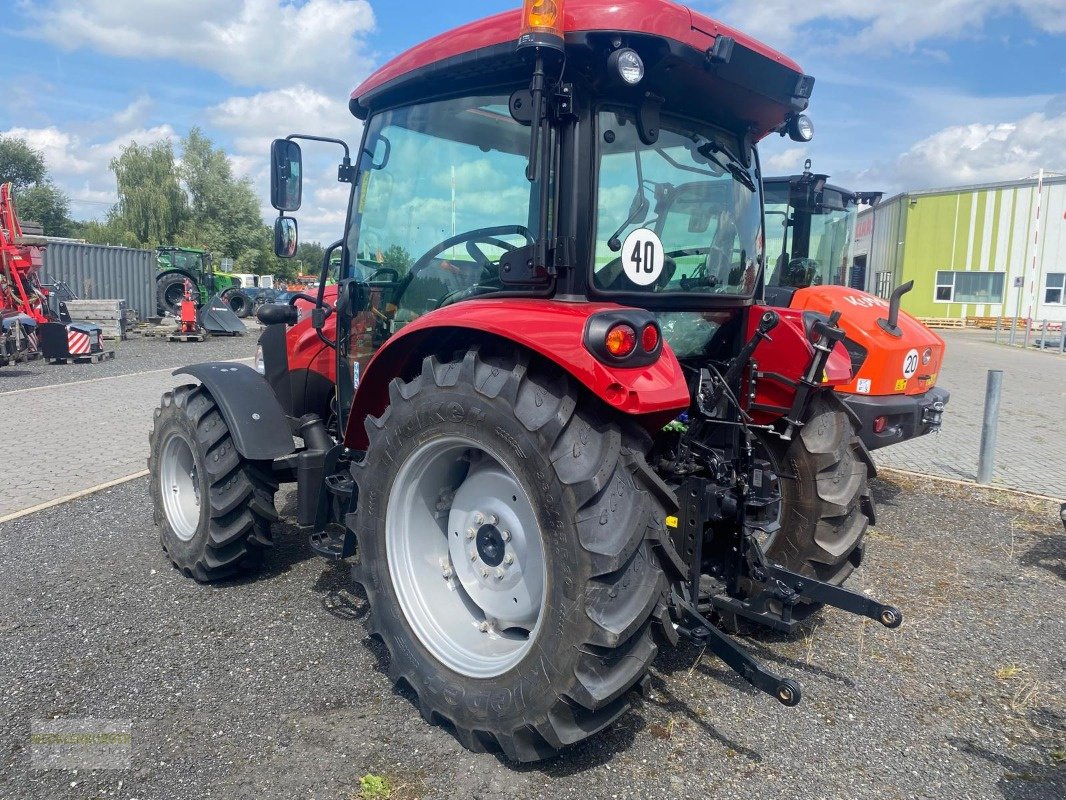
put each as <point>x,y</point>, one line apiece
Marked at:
<point>218,318</point>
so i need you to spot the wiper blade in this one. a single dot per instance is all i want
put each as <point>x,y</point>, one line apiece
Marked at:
<point>711,150</point>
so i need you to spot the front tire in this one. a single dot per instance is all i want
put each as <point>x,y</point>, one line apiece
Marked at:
<point>213,507</point>
<point>497,433</point>
<point>239,303</point>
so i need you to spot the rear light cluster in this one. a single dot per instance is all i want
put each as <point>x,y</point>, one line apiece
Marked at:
<point>621,340</point>
<point>625,339</point>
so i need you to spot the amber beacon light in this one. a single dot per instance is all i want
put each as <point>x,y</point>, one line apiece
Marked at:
<point>542,24</point>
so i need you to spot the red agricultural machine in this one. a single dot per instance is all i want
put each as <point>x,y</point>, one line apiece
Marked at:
<point>895,360</point>
<point>545,409</point>
<point>23,304</point>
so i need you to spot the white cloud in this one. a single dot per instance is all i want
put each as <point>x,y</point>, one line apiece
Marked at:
<point>881,26</point>
<point>252,42</point>
<point>786,162</point>
<point>965,154</point>
<point>81,165</point>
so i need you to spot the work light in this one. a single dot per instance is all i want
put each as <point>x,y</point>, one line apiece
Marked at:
<point>627,64</point>
<point>800,128</point>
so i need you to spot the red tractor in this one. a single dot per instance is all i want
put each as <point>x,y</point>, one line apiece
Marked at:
<point>544,408</point>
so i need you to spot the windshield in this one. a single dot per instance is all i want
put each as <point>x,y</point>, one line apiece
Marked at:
<point>443,196</point>
<point>691,194</point>
<point>805,248</point>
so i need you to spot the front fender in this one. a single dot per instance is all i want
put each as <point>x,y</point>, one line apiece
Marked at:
<point>552,329</point>
<point>256,421</point>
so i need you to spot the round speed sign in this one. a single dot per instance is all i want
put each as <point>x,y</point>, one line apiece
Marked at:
<point>643,257</point>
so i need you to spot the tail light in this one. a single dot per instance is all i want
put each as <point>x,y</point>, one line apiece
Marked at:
<point>649,339</point>
<point>621,341</point>
<point>624,338</point>
<point>880,424</point>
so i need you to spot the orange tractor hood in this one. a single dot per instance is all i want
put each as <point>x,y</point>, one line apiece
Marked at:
<point>893,365</point>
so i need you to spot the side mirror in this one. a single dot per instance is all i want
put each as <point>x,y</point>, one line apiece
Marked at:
<point>286,175</point>
<point>286,237</point>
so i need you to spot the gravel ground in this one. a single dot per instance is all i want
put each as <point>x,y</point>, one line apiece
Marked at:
<point>136,354</point>
<point>270,688</point>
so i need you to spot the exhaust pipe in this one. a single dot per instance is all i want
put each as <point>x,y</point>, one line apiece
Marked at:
<point>311,467</point>
<point>890,325</point>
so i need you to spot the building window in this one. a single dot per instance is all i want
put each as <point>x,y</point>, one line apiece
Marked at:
<point>969,287</point>
<point>884,284</point>
<point>1054,288</point>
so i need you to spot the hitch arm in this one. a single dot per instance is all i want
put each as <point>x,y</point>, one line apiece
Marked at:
<point>836,596</point>
<point>702,631</point>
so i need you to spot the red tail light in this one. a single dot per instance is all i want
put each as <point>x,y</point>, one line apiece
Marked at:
<point>621,341</point>
<point>880,424</point>
<point>649,339</point>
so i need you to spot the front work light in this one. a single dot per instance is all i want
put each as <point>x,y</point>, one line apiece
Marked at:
<point>542,24</point>
<point>627,65</point>
<point>800,128</point>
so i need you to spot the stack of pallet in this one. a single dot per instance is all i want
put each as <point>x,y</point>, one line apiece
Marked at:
<point>108,315</point>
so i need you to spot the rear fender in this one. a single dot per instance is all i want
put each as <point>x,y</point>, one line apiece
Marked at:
<point>255,418</point>
<point>553,330</point>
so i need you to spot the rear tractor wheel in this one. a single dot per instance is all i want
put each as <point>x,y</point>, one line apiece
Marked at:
<point>505,548</point>
<point>826,506</point>
<point>213,507</point>
<point>238,302</point>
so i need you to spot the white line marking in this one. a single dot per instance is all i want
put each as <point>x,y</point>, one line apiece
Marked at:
<point>76,496</point>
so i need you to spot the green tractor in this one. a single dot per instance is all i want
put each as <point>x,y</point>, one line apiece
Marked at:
<point>180,264</point>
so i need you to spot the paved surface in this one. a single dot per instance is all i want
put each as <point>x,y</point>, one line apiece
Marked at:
<point>1031,451</point>
<point>270,688</point>
<point>72,427</point>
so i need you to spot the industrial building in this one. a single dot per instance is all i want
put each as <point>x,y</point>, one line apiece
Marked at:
<point>995,250</point>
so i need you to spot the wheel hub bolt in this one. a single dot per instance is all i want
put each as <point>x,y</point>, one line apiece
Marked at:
<point>473,555</point>
<point>499,574</point>
<point>493,519</point>
<point>478,519</point>
<point>506,535</point>
<point>484,627</point>
<point>471,533</point>
<point>508,559</point>
<point>447,573</point>
<point>484,572</point>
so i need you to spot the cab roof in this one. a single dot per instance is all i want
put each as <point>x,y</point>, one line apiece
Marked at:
<point>485,38</point>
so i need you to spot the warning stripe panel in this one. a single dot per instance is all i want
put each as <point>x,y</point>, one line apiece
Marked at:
<point>77,343</point>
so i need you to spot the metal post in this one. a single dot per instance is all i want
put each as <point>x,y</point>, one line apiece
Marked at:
<point>1043,335</point>
<point>990,426</point>
<point>1062,337</point>
<point>999,324</point>
<point>1013,329</point>
<point>1028,332</point>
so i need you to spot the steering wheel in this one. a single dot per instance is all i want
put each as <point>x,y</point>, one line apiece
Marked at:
<point>613,278</point>
<point>472,239</point>
<point>393,273</point>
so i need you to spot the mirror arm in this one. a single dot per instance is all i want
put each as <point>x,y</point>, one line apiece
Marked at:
<point>346,171</point>
<point>318,316</point>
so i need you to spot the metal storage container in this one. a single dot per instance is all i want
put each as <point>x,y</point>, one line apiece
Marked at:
<point>98,272</point>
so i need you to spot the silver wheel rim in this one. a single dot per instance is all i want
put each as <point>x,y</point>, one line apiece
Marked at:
<point>466,557</point>
<point>180,487</point>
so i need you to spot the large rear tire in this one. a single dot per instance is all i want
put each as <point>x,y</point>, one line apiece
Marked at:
<point>213,507</point>
<point>240,304</point>
<point>823,476</point>
<point>170,291</point>
<point>486,458</point>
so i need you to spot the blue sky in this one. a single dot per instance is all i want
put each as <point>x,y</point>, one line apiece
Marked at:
<point>910,93</point>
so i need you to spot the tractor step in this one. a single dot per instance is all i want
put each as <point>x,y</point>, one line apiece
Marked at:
<point>90,358</point>
<point>333,548</point>
<point>187,337</point>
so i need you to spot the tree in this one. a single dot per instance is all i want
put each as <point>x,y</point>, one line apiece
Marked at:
<point>46,205</point>
<point>224,211</point>
<point>151,204</point>
<point>36,197</point>
<point>20,164</point>
<point>309,258</point>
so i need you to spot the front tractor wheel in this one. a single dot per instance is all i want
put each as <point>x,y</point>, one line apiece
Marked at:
<point>213,507</point>
<point>505,540</point>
